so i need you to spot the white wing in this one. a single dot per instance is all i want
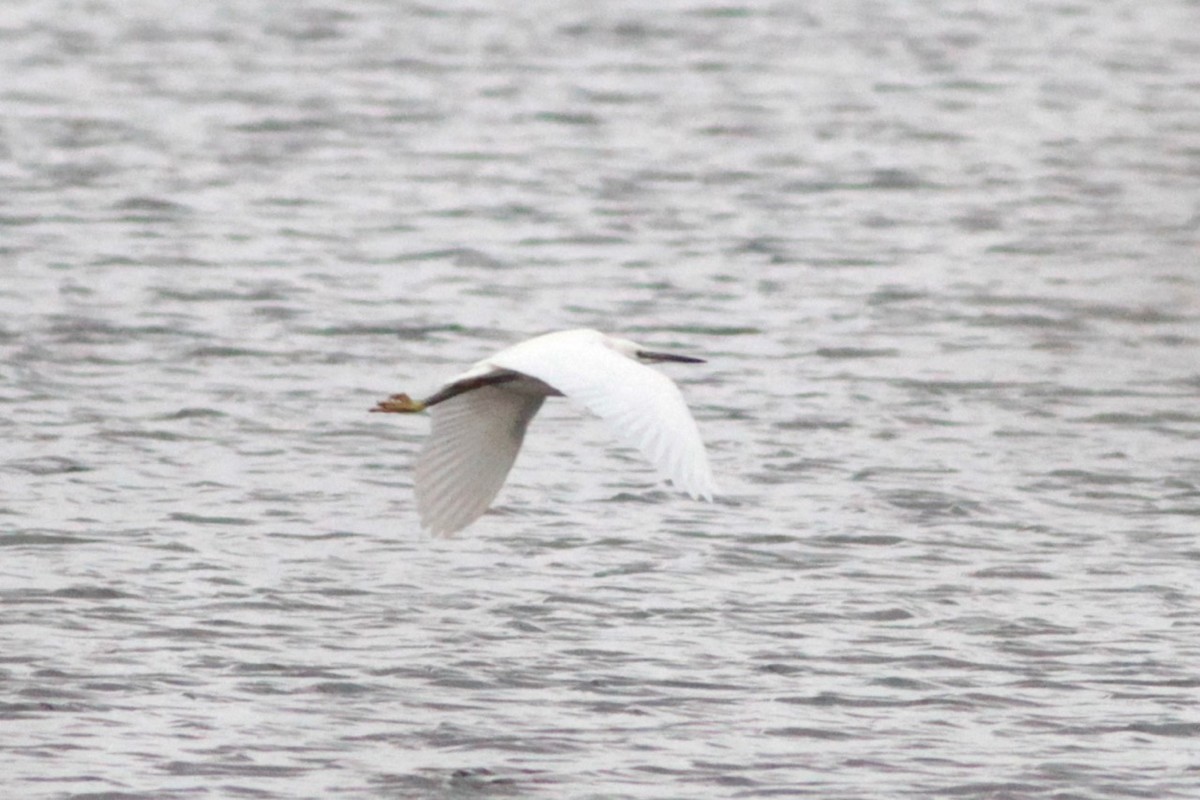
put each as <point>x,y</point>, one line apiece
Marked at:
<point>642,405</point>
<point>470,449</point>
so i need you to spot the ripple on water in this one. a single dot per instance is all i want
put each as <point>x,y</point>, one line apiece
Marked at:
<point>938,265</point>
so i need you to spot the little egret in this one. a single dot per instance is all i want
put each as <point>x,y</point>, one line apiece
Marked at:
<point>480,417</point>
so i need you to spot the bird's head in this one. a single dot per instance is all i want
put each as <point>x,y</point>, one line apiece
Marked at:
<point>638,353</point>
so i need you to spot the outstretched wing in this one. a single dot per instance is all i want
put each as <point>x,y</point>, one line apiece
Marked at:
<point>642,405</point>
<point>472,445</point>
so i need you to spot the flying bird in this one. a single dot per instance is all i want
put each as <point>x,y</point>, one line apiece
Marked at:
<point>479,418</point>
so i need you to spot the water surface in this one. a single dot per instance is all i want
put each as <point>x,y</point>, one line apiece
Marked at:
<point>941,258</point>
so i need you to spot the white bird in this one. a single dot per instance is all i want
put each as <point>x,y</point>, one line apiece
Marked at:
<point>480,417</point>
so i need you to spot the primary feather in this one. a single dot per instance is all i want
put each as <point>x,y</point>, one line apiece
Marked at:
<point>472,445</point>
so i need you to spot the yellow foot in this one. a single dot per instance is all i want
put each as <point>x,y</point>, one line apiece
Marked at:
<point>399,404</point>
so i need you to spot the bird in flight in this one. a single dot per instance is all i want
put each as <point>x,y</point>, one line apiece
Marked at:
<point>479,418</point>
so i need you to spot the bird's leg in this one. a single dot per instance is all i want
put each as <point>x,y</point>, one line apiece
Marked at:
<point>403,404</point>
<point>399,404</point>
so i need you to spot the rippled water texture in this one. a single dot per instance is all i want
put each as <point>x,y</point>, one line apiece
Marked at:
<point>941,258</point>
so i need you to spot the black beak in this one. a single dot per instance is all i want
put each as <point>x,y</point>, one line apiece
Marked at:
<point>652,356</point>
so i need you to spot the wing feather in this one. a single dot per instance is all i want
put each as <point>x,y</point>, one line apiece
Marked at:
<point>473,442</point>
<point>642,405</point>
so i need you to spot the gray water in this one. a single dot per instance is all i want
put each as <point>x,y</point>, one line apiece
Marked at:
<point>942,258</point>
